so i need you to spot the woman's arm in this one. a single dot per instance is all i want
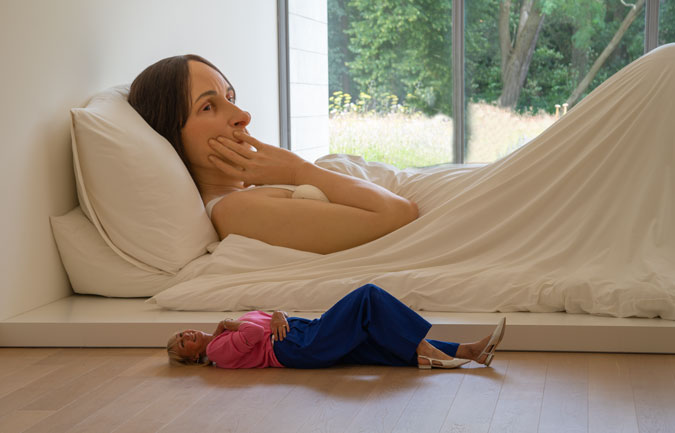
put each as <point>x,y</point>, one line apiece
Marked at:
<point>228,350</point>
<point>351,191</point>
<point>306,225</point>
<point>270,164</point>
<point>227,325</point>
<point>359,211</point>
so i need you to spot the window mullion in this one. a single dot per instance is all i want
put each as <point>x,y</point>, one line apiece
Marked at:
<point>284,85</point>
<point>458,97</point>
<point>651,25</point>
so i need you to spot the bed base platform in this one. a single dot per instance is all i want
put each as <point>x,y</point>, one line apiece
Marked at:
<point>94,321</point>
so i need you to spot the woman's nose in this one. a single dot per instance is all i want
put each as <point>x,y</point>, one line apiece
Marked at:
<point>240,118</point>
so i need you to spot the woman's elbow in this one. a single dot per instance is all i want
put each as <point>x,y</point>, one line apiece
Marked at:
<point>407,213</point>
<point>414,211</point>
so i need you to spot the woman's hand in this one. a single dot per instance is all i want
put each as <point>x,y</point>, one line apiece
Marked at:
<point>279,325</point>
<point>226,325</point>
<point>264,165</point>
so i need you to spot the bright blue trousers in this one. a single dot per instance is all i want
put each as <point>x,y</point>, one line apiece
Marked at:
<point>368,326</point>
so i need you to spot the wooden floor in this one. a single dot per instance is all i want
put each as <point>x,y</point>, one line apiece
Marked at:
<point>135,390</point>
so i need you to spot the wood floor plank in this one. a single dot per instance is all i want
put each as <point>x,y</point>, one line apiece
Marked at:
<point>476,399</point>
<point>653,392</point>
<point>80,408</point>
<point>312,387</point>
<point>393,389</point>
<point>125,406</point>
<point>247,412</point>
<point>352,386</point>
<point>204,413</point>
<point>521,396</point>
<point>181,392</point>
<point>20,378</point>
<point>430,403</point>
<point>85,383</point>
<point>123,390</point>
<point>14,359</point>
<point>85,395</point>
<point>44,384</point>
<point>611,407</point>
<point>19,420</point>
<point>565,404</point>
<point>187,385</point>
<point>155,364</point>
<point>68,354</point>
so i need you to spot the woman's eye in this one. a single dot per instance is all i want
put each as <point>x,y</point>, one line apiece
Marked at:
<point>207,107</point>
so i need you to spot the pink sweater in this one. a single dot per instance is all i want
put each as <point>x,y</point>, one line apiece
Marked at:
<point>249,347</point>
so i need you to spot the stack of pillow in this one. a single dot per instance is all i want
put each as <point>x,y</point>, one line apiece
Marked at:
<point>141,220</point>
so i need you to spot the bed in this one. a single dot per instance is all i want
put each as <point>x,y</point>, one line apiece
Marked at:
<point>579,220</point>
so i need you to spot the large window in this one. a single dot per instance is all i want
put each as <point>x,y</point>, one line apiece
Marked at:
<point>390,80</point>
<point>528,62</point>
<point>524,63</point>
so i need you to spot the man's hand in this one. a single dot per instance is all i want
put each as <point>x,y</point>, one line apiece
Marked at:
<point>279,325</point>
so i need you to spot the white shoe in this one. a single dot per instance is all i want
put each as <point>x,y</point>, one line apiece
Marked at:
<point>441,363</point>
<point>495,339</point>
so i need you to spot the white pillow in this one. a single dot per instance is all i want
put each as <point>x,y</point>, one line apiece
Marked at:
<point>94,268</point>
<point>134,188</point>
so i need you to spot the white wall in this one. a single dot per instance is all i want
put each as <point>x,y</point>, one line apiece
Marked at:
<point>56,53</point>
<point>308,77</point>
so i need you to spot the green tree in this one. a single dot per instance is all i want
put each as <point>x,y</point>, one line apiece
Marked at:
<point>403,48</point>
<point>517,46</point>
<point>606,52</point>
<point>340,16</point>
<point>383,47</point>
<point>667,21</point>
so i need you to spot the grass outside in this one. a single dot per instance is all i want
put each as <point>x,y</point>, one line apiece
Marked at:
<point>415,140</point>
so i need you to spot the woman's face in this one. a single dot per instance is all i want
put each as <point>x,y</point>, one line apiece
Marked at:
<point>212,113</point>
<point>191,343</point>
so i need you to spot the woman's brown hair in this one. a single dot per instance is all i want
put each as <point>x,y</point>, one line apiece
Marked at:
<point>161,95</point>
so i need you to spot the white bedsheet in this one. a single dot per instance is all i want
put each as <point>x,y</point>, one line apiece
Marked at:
<point>581,219</point>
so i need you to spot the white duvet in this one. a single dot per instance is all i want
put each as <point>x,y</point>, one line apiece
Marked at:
<point>581,219</point>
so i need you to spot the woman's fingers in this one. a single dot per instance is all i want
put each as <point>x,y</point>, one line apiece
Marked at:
<point>227,149</point>
<point>225,167</point>
<point>280,331</point>
<point>246,138</point>
<point>242,148</point>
